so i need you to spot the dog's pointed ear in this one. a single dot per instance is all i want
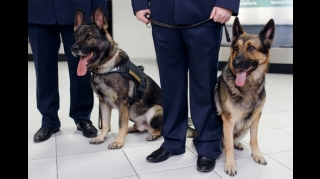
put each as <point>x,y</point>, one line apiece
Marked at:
<point>267,33</point>
<point>236,28</point>
<point>99,19</point>
<point>78,19</point>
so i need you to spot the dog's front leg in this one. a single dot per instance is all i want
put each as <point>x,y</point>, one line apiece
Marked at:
<point>123,126</point>
<point>105,115</point>
<point>257,156</point>
<point>228,126</point>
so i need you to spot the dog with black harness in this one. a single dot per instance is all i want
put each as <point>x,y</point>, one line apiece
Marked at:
<point>118,83</point>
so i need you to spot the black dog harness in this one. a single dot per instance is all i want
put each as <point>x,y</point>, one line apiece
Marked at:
<point>134,73</point>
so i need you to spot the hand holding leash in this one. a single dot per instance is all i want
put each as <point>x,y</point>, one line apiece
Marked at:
<point>140,15</point>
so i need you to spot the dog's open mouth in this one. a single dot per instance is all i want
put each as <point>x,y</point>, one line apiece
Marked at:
<point>84,63</point>
<point>243,74</point>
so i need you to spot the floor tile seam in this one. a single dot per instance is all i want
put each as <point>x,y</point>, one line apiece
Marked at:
<point>126,177</point>
<point>235,159</point>
<point>146,145</point>
<point>280,110</point>
<point>130,162</point>
<point>196,154</point>
<point>267,125</point>
<point>141,174</point>
<point>262,151</point>
<point>279,152</point>
<point>285,131</point>
<point>280,128</point>
<point>108,150</point>
<point>217,174</point>
<point>280,163</point>
<point>274,127</point>
<point>69,134</point>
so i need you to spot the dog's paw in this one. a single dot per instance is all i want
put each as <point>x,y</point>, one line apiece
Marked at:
<point>230,169</point>
<point>132,129</point>
<point>238,146</point>
<point>152,137</point>
<point>115,145</point>
<point>98,140</point>
<point>259,159</point>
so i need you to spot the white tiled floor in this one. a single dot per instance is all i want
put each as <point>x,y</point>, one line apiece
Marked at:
<point>68,155</point>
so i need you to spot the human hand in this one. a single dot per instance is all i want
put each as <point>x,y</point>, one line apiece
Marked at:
<point>140,15</point>
<point>219,14</point>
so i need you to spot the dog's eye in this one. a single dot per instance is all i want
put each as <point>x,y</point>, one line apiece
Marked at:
<point>76,37</point>
<point>236,48</point>
<point>251,48</point>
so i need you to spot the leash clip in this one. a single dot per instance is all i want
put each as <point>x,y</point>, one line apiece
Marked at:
<point>147,15</point>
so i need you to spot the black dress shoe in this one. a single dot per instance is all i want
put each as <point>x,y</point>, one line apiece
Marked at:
<point>205,164</point>
<point>159,155</point>
<point>44,133</point>
<point>88,130</point>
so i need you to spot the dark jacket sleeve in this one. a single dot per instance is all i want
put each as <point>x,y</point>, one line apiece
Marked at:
<point>138,5</point>
<point>229,4</point>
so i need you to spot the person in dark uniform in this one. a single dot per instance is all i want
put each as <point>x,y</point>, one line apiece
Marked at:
<point>184,51</point>
<point>47,21</point>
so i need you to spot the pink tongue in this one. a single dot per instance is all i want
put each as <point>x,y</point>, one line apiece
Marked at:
<point>241,78</point>
<point>82,66</point>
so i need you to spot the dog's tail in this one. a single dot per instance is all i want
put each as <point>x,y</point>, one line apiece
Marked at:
<point>191,132</point>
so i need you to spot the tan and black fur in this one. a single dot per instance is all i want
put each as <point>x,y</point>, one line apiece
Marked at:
<point>240,90</point>
<point>99,53</point>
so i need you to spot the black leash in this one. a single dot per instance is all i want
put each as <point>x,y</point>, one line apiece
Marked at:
<point>185,26</point>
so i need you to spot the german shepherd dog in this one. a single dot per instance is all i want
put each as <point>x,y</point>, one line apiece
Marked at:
<point>240,90</point>
<point>100,55</point>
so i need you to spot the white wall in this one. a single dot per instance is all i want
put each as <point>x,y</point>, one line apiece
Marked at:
<point>131,34</point>
<point>261,15</point>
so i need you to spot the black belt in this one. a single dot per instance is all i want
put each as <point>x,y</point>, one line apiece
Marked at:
<point>185,26</point>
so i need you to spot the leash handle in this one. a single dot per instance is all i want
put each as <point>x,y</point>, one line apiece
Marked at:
<point>227,33</point>
<point>147,15</point>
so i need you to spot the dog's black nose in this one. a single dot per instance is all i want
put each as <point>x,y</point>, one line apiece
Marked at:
<point>75,48</point>
<point>237,63</point>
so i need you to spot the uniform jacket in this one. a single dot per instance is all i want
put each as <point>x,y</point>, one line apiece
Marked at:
<point>61,11</point>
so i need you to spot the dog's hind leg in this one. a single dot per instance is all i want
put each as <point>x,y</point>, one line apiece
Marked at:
<point>133,129</point>
<point>123,126</point>
<point>154,118</point>
<point>257,156</point>
<point>237,137</point>
<point>105,111</point>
